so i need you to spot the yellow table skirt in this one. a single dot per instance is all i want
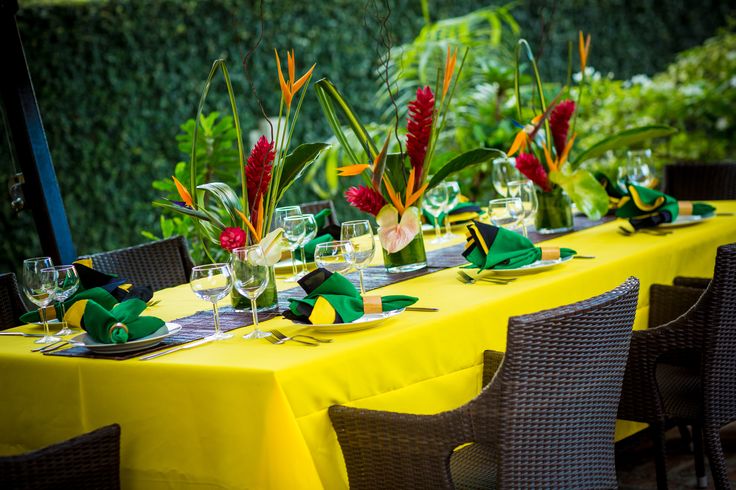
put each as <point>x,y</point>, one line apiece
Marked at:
<point>248,414</point>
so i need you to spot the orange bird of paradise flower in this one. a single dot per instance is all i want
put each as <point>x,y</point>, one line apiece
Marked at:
<point>290,88</point>
<point>523,137</point>
<point>450,61</point>
<point>183,193</point>
<point>583,49</point>
<point>559,160</point>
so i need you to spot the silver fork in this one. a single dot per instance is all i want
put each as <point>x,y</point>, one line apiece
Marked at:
<point>280,340</point>
<point>281,335</point>
<point>472,280</point>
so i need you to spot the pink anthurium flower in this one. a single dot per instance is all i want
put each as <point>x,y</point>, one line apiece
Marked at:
<point>396,234</point>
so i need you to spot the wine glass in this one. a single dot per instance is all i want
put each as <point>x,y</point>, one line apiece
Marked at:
<point>434,202</point>
<point>637,169</point>
<point>295,229</point>
<point>453,199</point>
<point>504,171</point>
<point>279,215</point>
<point>38,287</point>
<point>67,283</point>
<point>334,256</point>
<point>212,283</point>
<point>310,233</point>
<point>524,190</point>
<point>506,212</point>
<point>250,278</point>
<point>360,235</point>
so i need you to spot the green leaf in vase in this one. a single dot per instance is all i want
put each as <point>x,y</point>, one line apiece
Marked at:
<point>586,192</point>
<point>463,161</point>
<point>623,139</point>
<point>296,162</point>
<point>227,197</point>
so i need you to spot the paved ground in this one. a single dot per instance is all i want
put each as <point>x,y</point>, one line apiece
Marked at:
<point>635,461</point>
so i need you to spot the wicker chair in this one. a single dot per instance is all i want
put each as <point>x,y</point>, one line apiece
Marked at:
<point>90,461</point>
<point>161,264</point>
<point>546,419</point>
<point>317,206</point>
<point>11,305</point>
<point>694,181</point>
<point>684,372</point>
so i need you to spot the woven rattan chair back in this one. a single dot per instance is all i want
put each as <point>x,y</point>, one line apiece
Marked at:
<point>693,181</point>
<point>549,414</point>
<point>160,264</point>
<point>11,305</point>
<point>317,206</point>
<point>90,461</point>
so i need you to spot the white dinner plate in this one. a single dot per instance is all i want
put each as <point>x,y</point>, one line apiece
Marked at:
<point>284,267</point>
<point>366,321</point>
<point>538,266</point>
<point>85,340</point>
<point>686,220</point>
<point>51,322</point>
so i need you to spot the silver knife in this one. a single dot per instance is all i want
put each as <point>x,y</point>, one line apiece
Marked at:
<point>421,308</point>
<point>175,349</point>
<point>22,334</point>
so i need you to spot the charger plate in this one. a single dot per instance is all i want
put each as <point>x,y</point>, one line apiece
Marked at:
<point>84,340</point>
<point>364,322</point>
<point>538,266</point>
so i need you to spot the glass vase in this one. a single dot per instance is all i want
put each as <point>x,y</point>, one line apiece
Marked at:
<point>410,258</point>
<point>554,214</point>
<point>267,301</point>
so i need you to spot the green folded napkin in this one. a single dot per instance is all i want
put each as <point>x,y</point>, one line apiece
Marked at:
<point>612,188</point>
<point>331,298</point>
<point>464,211</point>
<point>98,295</point>
<point>116,326</point>
<point>648,207</point>
<point>491,247</point>
<point>326,232</point>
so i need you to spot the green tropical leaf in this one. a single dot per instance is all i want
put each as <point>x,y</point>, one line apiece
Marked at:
<point>624,138</point>
<point>296,162</point>
<point>227,197</point>
<point>585,191</point>
<point>463,161</point>
<point>194,213</point>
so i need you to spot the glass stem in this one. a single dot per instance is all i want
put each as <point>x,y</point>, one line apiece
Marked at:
<point>360,275</point>
<point>304,260</point>
<point>45,322</point>
<point>437,230</point>
<point>63,314</point>
<point>217,318</point>
<point>447,224</point>
<point>254,313</point>
<point>293,261</point>
<point>523,228</point>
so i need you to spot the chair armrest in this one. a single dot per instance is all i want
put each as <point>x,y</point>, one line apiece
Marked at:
<point>691,282</point>
<point>396,450</point>
<point>491,362</point>
<point>640,398</point>
<point>667,303</point>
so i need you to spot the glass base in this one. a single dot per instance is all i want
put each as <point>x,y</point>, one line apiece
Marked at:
<point>65,331</point>
<point>219,336</point>
<point>48,339</point>
<point>257,334</point>
<point>292,278</point>
<point>407,267</point>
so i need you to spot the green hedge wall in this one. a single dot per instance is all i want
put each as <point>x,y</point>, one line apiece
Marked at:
<point>114,81</point>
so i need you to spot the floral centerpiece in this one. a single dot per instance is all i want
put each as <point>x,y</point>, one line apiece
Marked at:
<point>395,182</point>
<point>224,219</point>
<point>546,154</point>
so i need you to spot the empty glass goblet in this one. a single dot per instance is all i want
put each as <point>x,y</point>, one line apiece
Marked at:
<point>360,235</point>
<point>524,190</point>
<point>504,171</point>
<point>506,213</point>
<point>334,256</point>
<point>38,287</point>
<point>453,199</point>
<point>67,283</point>
<point>435,202</point>
<point>637,169</point>
<point>310,233</point>
<point>295,229</point>
<point>250,278</point>
<point>212,283</point>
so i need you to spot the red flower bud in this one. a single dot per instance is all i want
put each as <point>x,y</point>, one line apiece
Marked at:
<point>232,238</point>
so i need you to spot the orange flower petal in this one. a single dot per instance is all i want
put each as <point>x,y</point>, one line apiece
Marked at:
<point>249,225</point>
<point>566,151</point>
<point>520,142</point>
<point>551,164</point>
<point>291,62</point>
<point>392,195</point>
<point>413,198</point>
<point>183,193</point>
<point>350,170</point>
<point>298,84</point>
<point>285,91</point>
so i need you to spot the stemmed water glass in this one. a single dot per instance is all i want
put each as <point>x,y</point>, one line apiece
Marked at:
<point>310,232</point>
<point>295,229</point>
<point>334,256</point>
<point>279,215</point>
<point>434,202</point>
<point>360,236</point>
<point>453,199</point>
<point>212,283</point>
<point>637,169</point>
<point>250,278</point>
<point>67,283</point>
<point>504,172</point>
<point>506,212</point>
<point>524,190</point>
<point>38,286</point>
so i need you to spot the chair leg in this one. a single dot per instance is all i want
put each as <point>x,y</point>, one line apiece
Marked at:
<point>660,454</point>
<point>701,477</point>
<point>685,436</point>
<point>714,451</point>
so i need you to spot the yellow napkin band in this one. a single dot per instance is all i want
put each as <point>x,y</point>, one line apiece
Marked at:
<point>117,325</point>
<point>372,304</point>
<point>550,253</point>
<point>685,208</point>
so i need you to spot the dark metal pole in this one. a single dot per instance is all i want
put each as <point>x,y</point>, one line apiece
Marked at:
<point>28,142</point>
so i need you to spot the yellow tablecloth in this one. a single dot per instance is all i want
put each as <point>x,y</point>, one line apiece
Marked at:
<point>248,414</point>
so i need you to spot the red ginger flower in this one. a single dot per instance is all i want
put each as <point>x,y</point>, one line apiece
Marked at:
<point>529,165</point>
<point>232,238</point>
<point>559,124</point>
<point>258,172</point>
<point>365,199</point>
<point>419,128</point>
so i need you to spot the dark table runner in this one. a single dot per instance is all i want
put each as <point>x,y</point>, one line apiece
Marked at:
<point>199,325</point>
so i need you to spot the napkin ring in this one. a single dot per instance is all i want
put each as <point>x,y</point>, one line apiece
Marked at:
<point>372,304</point>
<point>550,253</point>
<point>685,208</point>
<point>117,325</point>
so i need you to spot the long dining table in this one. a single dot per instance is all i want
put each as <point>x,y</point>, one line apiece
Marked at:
<point>250,414</point>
